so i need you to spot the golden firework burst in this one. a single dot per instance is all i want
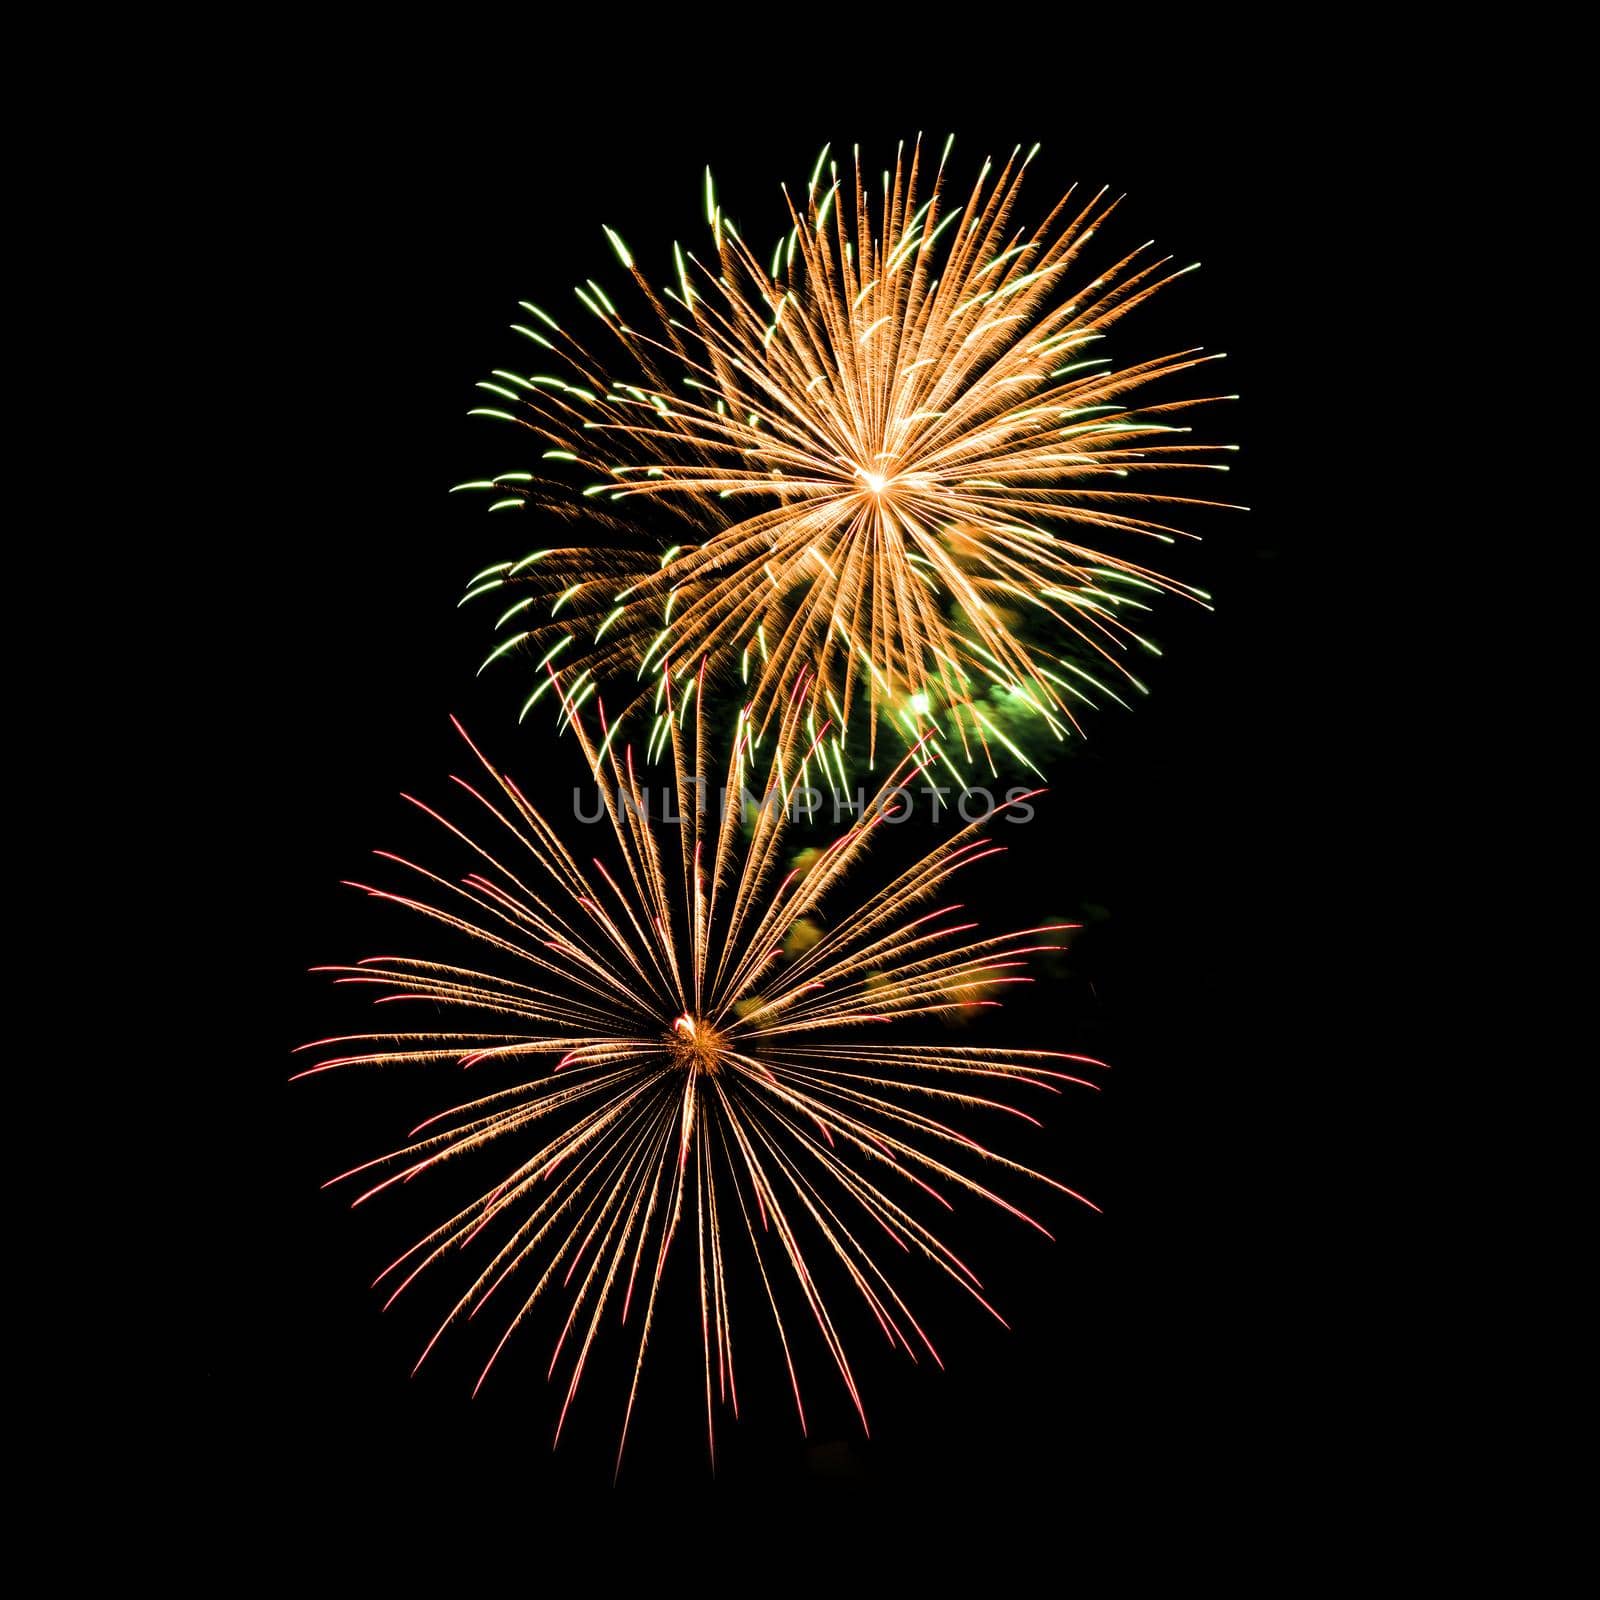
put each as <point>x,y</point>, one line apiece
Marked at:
<point>896,457</point>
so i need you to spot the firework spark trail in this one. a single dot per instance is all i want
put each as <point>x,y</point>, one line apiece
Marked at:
<point>886,445</point>
<point>696,1079</point>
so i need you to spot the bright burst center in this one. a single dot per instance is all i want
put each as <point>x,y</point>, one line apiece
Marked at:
<point>696,1046</point>
<point>875,481</point>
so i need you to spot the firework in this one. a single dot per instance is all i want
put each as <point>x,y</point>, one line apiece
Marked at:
<point>668,1055</point>
<point>892,449</point>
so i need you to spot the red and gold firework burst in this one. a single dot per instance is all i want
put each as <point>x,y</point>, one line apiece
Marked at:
<point>678,1061</point>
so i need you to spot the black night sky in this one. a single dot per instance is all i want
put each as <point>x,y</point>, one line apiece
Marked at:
<point>400,243</point>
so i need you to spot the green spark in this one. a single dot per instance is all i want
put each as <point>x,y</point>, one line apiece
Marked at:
<point>619,247</point>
